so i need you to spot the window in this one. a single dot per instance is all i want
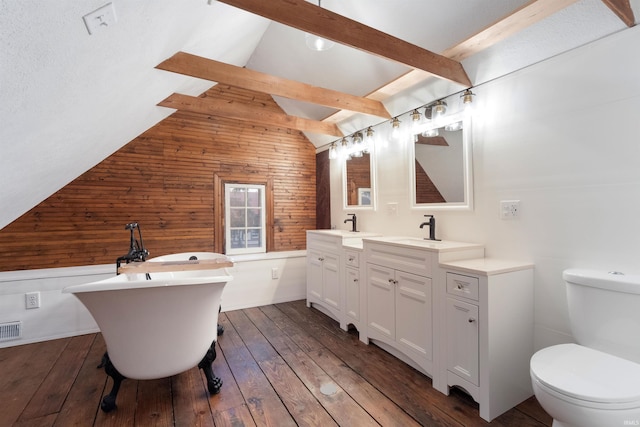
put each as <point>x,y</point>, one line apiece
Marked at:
<point>245,218</point>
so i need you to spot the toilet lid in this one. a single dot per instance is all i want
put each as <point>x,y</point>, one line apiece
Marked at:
<point>587,374</point>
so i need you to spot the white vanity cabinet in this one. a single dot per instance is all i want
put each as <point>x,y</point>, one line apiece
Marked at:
<point>333,270</point>
<point>324,253</point>
<point>489,332</point>
<point>400,287</point>
<point>352,287</point>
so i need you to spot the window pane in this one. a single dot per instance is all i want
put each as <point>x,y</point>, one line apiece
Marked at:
<point>254,217</point>
<point>238,239</point>
<point>253,197</point>
<point>254,240</point>
<point>237,217</point>
<point>238,197</point>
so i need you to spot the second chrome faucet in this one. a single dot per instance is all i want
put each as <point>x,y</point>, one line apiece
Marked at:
<point>353,220</point>
<point>432,227</point>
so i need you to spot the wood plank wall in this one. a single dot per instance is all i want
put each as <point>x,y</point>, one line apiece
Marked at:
<point>323,191</point>
<point>426,191</point>
<point>164,180</point>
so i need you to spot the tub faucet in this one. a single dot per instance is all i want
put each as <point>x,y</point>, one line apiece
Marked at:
<point>432,227</point>
<point>353,220</point>
<point>137,251</point>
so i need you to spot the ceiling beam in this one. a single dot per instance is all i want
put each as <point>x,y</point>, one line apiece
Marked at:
<point>518,20</point>
<point>313,19</point>
<point>523,17</point>
<point>246,112</point>
<point>622,8</point>
<point>209,69</point>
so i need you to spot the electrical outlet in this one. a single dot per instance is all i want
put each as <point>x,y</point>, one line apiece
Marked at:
<point>32,300</point>
<point>275,273</point>
<point>509,209</point>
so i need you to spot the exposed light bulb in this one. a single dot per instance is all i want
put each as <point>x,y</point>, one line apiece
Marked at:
<point>439,109</point>
<point>395,131</point>
<point>317,43</point>
<point>416,119</point>
<point>333,151</point>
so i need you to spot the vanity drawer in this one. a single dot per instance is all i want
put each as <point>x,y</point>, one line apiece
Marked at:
<point>462,286</point>
<point>352,259</point>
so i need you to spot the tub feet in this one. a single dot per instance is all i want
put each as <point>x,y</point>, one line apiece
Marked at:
<point>109,401</point>
<point>213,383</point>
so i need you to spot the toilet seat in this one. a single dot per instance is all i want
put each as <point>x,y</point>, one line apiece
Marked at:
<point>587,377</point>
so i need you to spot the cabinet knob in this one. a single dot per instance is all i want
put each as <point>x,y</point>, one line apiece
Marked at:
<point>320,259</point>
<point>355,280</point>
<point>471,320</point>
<point>351,258</point>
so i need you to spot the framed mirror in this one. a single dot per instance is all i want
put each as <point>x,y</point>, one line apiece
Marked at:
<point>358,182</point>
<point>440,165</point>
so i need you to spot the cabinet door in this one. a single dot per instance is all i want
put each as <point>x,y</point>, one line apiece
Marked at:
<point>381,300</point>
<point>314,274</point>
<point>331,279</point>
<point>462,339</point>
<point>414,328</point>
<point>352,284</point>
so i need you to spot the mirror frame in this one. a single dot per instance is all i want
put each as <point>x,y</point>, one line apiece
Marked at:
<point>467,155</point>
<point>374,186</point>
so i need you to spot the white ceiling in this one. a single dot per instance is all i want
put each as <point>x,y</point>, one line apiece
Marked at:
<point>69,99</point>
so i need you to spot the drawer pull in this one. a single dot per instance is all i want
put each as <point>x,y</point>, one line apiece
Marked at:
<point>320,259</point>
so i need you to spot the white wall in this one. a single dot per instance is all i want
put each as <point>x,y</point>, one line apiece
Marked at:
<point>62,315</point>
<point>561,136</point>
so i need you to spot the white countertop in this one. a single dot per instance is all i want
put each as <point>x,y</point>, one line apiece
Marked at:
<point>428,245</point>
<point>486,266</point>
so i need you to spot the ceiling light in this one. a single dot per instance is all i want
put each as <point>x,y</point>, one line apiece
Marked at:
<point>317,43</point>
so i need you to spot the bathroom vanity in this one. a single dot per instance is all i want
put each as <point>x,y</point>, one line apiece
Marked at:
<point>401,285</point>
<point>331,256</point>
<point>440,306</point>
<point>489,332</point>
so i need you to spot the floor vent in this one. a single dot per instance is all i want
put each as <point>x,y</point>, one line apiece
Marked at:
<point>10,331</point>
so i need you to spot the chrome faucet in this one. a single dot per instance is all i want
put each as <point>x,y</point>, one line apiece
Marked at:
<point>432,227</point>
<point>353,220</point>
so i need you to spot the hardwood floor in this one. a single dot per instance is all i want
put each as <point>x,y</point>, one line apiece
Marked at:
<point>282,365</point>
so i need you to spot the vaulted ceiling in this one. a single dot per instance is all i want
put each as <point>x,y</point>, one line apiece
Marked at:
<point>70,98</point>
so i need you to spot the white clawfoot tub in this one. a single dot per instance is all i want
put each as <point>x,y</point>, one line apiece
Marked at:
<point>159,327</point>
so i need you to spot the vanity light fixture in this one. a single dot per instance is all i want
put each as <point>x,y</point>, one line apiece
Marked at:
<point>363,140</point>
<point>333,151</point>
<point>356,145</point>
<point>317,43</point>
<point>467,97</point>
<point>416,119</point>
<point>368,139</point>
<point>395,128</point>
<point>439,109</point>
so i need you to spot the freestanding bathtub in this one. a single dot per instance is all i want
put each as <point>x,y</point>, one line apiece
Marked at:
<point>159,327</point>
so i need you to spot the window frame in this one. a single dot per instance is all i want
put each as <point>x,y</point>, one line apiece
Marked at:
<point>262,247</point>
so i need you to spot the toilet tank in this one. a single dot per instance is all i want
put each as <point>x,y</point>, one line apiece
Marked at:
<point>604,310</point>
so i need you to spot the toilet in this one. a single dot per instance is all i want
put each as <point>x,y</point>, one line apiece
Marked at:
<point>596,382</point>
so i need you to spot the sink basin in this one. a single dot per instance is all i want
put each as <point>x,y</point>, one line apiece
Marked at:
<point>419,243</point>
